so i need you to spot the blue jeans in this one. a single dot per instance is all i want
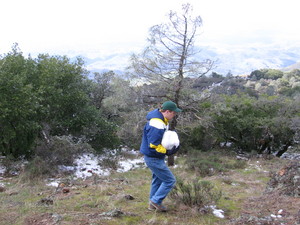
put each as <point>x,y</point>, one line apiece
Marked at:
<point>163,179</point>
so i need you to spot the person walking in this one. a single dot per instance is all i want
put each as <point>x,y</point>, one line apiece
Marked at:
<point>154,153</point>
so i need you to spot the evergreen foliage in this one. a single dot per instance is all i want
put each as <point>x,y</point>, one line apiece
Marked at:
<point>18,106</point>
<point>195,193</point>
<point>44,97</point>
<point>263,125</point>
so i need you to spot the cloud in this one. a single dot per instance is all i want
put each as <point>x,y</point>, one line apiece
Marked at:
<point>64,26</point>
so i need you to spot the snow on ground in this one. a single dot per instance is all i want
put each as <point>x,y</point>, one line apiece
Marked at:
<point>89,164</point>
<point>278,215</point>
<point>129,164</point>
<point>2,169</point>
<point>217,212</point>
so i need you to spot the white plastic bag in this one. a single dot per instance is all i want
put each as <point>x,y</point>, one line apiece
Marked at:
<point>170,139</point>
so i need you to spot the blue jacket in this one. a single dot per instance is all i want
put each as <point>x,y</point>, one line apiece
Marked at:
<point>153,134</point>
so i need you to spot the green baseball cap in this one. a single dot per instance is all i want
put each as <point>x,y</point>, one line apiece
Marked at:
<point>169,105</point>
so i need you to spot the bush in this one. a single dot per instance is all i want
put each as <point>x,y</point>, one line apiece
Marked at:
<point>61,150</point>
<point>49,156</point>
<point>195,193</point>
<point>264,125</point>
<point>199,137</point>
<point>37,169</point>
<point>11,166</point>
<point>18,107</point>
<point>109,163</point>
<point>210,163</point>
<point>205,167</point>
<point>286,181</point>
<point>102,134</point>
<point>50,90</point>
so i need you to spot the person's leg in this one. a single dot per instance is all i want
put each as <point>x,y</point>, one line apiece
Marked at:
<point>164,175</point>
<point>155,184</point>
<point>168,182</point>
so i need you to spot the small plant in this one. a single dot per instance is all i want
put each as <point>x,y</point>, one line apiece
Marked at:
<point>36,169</point>
<point>211,163</point>
<point>60,150</point>
<point>227,180</point>
<point>237,164</point>
<point>109,163</point>
<point>195,193</point>
<point>11,165</point>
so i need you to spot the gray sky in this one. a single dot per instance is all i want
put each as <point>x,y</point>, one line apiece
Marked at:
<point>94,27</point>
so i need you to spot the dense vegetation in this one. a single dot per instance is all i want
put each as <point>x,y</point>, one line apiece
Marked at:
<point>51,96</point>
<point>44,97</point>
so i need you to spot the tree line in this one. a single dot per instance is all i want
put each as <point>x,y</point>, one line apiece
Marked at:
<point>52,96</point>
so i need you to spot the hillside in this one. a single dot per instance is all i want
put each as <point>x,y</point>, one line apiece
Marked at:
<point>121,198</point>
<point>234,59</point>
<point>291,67</point>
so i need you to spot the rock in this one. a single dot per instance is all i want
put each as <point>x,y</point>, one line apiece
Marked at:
<point>241,158</point>
<point>112,213</point>
<point>61,185</point>
<point>2,189</point>
<point>298,217</point>
<point>46,201</point>
<point>65,190</point>
<point>248,219</point>
<point>56,218</point>
<point>286,181</point>
<point>129,197</point>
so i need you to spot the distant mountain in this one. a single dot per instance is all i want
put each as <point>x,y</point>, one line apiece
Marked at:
<point>244,60</point>
<point>291,67</point>
<point>115,62</point>
<point>236,60</point>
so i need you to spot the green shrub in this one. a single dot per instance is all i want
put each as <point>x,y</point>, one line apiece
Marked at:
<point>60,150</point>
<point>109,163</point>
<point>11,165</point>
<point>37,169</point>
<point>48,156</point>
<point>236,164</point>
<point>195,193</point>
<point>205,167</point>
<point>199,137</point>
<point>210,163</point>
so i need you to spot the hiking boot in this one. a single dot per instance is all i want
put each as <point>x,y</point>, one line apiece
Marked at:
<point>151,207</point>
<point>158,207</point>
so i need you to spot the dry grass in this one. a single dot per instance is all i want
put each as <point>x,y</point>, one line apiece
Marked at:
<point>104,200</point>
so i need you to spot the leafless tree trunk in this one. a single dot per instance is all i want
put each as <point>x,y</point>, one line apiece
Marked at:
<point>170,56</point>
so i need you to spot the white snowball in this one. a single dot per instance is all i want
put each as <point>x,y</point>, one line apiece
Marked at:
<point>170,139</point>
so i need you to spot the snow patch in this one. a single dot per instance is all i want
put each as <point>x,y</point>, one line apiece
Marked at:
<point>128,164</point>
<point>87,165</point>
<point>217,212</point>
<point>53,183</point>
<point>2,169</point>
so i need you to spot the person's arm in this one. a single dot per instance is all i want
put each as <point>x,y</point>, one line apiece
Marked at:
<point>155,134</point>
<point>173,150</point>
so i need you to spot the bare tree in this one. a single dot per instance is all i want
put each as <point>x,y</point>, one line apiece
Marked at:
<point>171,56</point>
